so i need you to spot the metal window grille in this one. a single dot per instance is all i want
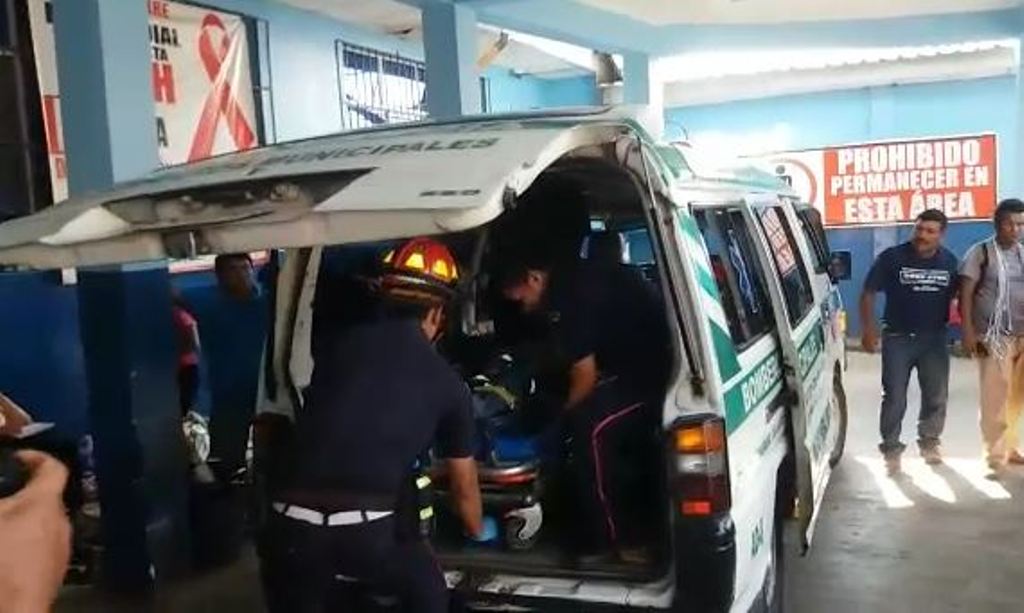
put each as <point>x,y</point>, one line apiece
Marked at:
<point>379,88</point>
<point>263,83</point>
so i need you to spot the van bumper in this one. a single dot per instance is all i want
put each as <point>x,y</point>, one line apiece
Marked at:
<point>705,563</point>
<point>480,603</point>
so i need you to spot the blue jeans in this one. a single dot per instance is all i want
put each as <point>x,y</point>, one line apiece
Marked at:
<point>902,353</point>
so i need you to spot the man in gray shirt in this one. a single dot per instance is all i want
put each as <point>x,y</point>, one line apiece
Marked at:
<point>992,308</point>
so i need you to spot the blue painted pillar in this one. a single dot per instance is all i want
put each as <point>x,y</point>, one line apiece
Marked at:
<point>129,351</point>
<point>639,88</point>
<point>882,125</point>
<point>124,311</point>
<point>1014,187</point>
<point>103,64</point>
<point>450,45</point>
<point>636,75</point>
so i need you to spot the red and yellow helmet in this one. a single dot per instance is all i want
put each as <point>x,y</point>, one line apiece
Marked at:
<point>420,270</point>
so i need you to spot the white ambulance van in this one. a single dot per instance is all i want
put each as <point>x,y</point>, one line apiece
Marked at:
<point>754,416</point>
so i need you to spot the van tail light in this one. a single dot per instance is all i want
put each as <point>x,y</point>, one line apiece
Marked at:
<point>702,471</point>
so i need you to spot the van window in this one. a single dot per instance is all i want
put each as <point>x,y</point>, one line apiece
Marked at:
<point>788,262</point>
<point>639,250</point>
<point>737,273</point>
<point>814,231</point>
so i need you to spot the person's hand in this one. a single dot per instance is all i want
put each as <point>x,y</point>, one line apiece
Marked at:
<point>869,338</point>
<point>969,341</point>
<point>12,417</point>
<point>35,537</point>
<point>488,530</point>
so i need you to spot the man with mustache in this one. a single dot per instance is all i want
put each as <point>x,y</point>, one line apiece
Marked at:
<point>919,279</point>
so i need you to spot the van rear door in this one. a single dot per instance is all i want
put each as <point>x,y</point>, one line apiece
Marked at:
<point>802,339</point>
<point>361,186</point>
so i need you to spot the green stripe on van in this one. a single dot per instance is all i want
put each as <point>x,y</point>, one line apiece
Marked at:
<point>812,346</point>
<point>707,283</point>
<point>763,382</point>
<point>725,350</point>
<point>689,226</point>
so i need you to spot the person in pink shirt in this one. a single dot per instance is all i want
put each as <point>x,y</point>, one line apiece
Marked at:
<point>186,332</point>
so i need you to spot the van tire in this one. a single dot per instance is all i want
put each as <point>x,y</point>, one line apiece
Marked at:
<point>775,581</point>
<point>774,588</point>
<point>839,402</point>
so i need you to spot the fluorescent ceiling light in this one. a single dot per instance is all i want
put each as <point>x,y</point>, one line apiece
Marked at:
<point>710,64</point>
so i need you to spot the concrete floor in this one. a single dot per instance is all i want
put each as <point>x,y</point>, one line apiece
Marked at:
<point>936,541</point>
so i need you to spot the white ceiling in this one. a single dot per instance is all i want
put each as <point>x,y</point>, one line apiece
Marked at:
<point>378,15</point>
<point>707,79</point>
<point>391,17</point>
<point>662,12</point>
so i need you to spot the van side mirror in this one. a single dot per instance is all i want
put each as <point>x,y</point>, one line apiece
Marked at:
<point>840,266</point>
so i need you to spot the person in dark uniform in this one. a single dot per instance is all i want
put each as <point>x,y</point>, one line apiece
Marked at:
<point>611,330</point>
<point>380,396</point>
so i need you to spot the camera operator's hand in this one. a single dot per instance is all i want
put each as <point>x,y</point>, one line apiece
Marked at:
<point>35,537</point>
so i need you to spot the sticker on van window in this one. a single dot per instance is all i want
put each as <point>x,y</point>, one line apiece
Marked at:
<point>742,275</point>
<point>778,240</point>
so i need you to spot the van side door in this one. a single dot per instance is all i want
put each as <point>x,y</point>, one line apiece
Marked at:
<point>802,339</point>
<point>826,290</point>
<point>750,368</point>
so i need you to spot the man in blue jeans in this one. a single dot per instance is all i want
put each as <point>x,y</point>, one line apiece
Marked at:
<point>919,279</point>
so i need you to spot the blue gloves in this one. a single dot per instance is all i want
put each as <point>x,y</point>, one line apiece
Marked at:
<point>490,530</point>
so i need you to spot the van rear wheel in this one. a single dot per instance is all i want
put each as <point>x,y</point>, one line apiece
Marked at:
<point>838,409</point>
<point>775,580</point>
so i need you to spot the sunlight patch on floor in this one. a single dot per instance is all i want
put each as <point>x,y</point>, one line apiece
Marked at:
<point>975,472</point>
<point>890,489</point>
<point>930,481</point>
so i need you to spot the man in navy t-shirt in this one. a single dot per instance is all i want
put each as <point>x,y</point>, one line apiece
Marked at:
<point>919,279</point>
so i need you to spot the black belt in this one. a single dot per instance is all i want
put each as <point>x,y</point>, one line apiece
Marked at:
<point>329,501</point>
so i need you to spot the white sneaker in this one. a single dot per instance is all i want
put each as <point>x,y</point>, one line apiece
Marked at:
<point>932,455</point>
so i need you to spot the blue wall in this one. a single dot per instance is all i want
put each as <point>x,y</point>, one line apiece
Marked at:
<point>840,117</point>
<point>304,69</point>
<point>571,91</point>
<point>42,365</point>
<point>511,93</point>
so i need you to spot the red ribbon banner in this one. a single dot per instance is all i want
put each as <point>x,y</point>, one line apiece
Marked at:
<point>221,101</point>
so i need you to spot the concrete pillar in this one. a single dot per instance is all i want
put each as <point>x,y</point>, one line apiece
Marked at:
<point>103,61</point>
<point>639,87</point>
<point>450,46</point>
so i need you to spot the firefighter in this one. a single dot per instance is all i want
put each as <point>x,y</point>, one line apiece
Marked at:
<point>380,395</point>
<point>610,333</point>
